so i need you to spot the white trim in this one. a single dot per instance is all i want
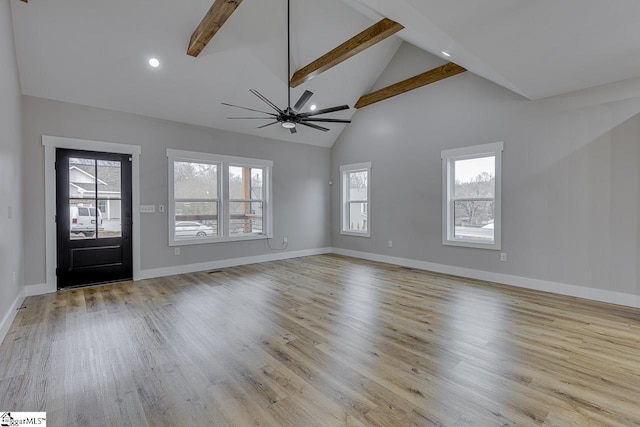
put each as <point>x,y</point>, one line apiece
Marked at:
<point>601,295</point>
<point>217,158</point>
<point>40,289</point>
<point>345,169</point>
<point>5,325</point>
<point>209,240</point>
<point>232,262</point>
<point>448,157</point>
<point>356,167</point>
<point>612,297</point>
<point>473,151</point>
<point>50,144</point>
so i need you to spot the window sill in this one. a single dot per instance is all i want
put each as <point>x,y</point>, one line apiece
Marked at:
<point>465,244</point>
<point>210,240</point>
<point>355,233</point>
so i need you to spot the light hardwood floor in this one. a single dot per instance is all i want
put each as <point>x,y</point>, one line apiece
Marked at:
<point>323,340</point>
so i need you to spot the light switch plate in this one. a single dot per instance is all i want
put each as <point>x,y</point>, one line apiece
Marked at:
<point>147,208</point>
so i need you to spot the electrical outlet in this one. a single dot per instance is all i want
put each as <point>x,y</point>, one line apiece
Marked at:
<point>176,251</point>
<point>285,240</point>
<point>390,244</point>
<point>503,257</point>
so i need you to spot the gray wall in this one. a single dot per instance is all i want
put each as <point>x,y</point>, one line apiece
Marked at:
<point>571,176</point>
<point>10,167</point>
<point>300,180</point>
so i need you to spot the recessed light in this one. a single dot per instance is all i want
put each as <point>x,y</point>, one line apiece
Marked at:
<point>447,54</point>
<point>154,62</point>
<point>313,107</point>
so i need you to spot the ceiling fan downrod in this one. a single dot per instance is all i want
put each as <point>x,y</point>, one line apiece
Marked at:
<point>290,117</point>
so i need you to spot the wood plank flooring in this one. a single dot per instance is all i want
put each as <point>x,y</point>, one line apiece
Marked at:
<point>321,341</point>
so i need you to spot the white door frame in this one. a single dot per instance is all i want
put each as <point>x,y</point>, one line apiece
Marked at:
<point>50,144</point>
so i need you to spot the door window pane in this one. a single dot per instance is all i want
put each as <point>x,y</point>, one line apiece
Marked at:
<point>82,219</point>
<point>109,176</point>
<point>473,220</point>
<point>82,178</point>
<point>109,202</point>
<point>109,218</point>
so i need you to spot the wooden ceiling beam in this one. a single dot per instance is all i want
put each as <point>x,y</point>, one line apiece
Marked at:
<point>367,38</point>
<point>431,76</point>
<point>215,18</point>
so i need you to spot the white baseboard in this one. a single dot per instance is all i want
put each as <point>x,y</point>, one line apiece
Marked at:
<point>628,300</point>
<point>212,265</point>
<point>40,289</point>
<point>9,316</point>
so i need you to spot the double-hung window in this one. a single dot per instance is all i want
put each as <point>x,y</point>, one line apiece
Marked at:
<point>471,206</point>
<point>356,197</point>
<point>214,198</point>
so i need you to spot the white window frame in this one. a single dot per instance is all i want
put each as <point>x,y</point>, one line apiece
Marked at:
<point>344,197</point>
<point>448,182</point>
<point>223,163</point>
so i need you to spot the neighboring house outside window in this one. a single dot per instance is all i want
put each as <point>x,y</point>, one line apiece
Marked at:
<point>471,206</point>
<point>83,185</point>
<point>215,198</point>
<point>355,193</point>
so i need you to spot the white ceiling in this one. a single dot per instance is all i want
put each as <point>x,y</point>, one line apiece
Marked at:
<point>95,53</point>
<point>537,48</point>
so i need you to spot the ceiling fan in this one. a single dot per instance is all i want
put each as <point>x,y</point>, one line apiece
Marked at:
<point>290,117</point>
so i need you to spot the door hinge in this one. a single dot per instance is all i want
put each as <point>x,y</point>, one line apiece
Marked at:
<point>57,271</point>
<point>55,218</point>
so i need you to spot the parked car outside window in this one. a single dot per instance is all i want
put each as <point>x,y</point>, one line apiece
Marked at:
<point>83,220</point>
<point>190,229</point>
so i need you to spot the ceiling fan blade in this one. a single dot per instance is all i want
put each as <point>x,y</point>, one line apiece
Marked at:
<point>303,100</point>
<point>325,120</point>
<point>293,130</point>
<point>268,124</point>
<point>324,111</point>
<point>266,101</point>
<point>311,125</point>
<point>250,109</point>
<point>252,118</point>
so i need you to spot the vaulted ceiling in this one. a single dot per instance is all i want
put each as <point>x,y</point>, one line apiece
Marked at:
<point>95,53</point>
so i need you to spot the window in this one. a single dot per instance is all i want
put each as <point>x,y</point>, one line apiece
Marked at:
<point>355,193</point>
<point>216,198</point>
<point>245,200</point>
<point>471,208</point>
